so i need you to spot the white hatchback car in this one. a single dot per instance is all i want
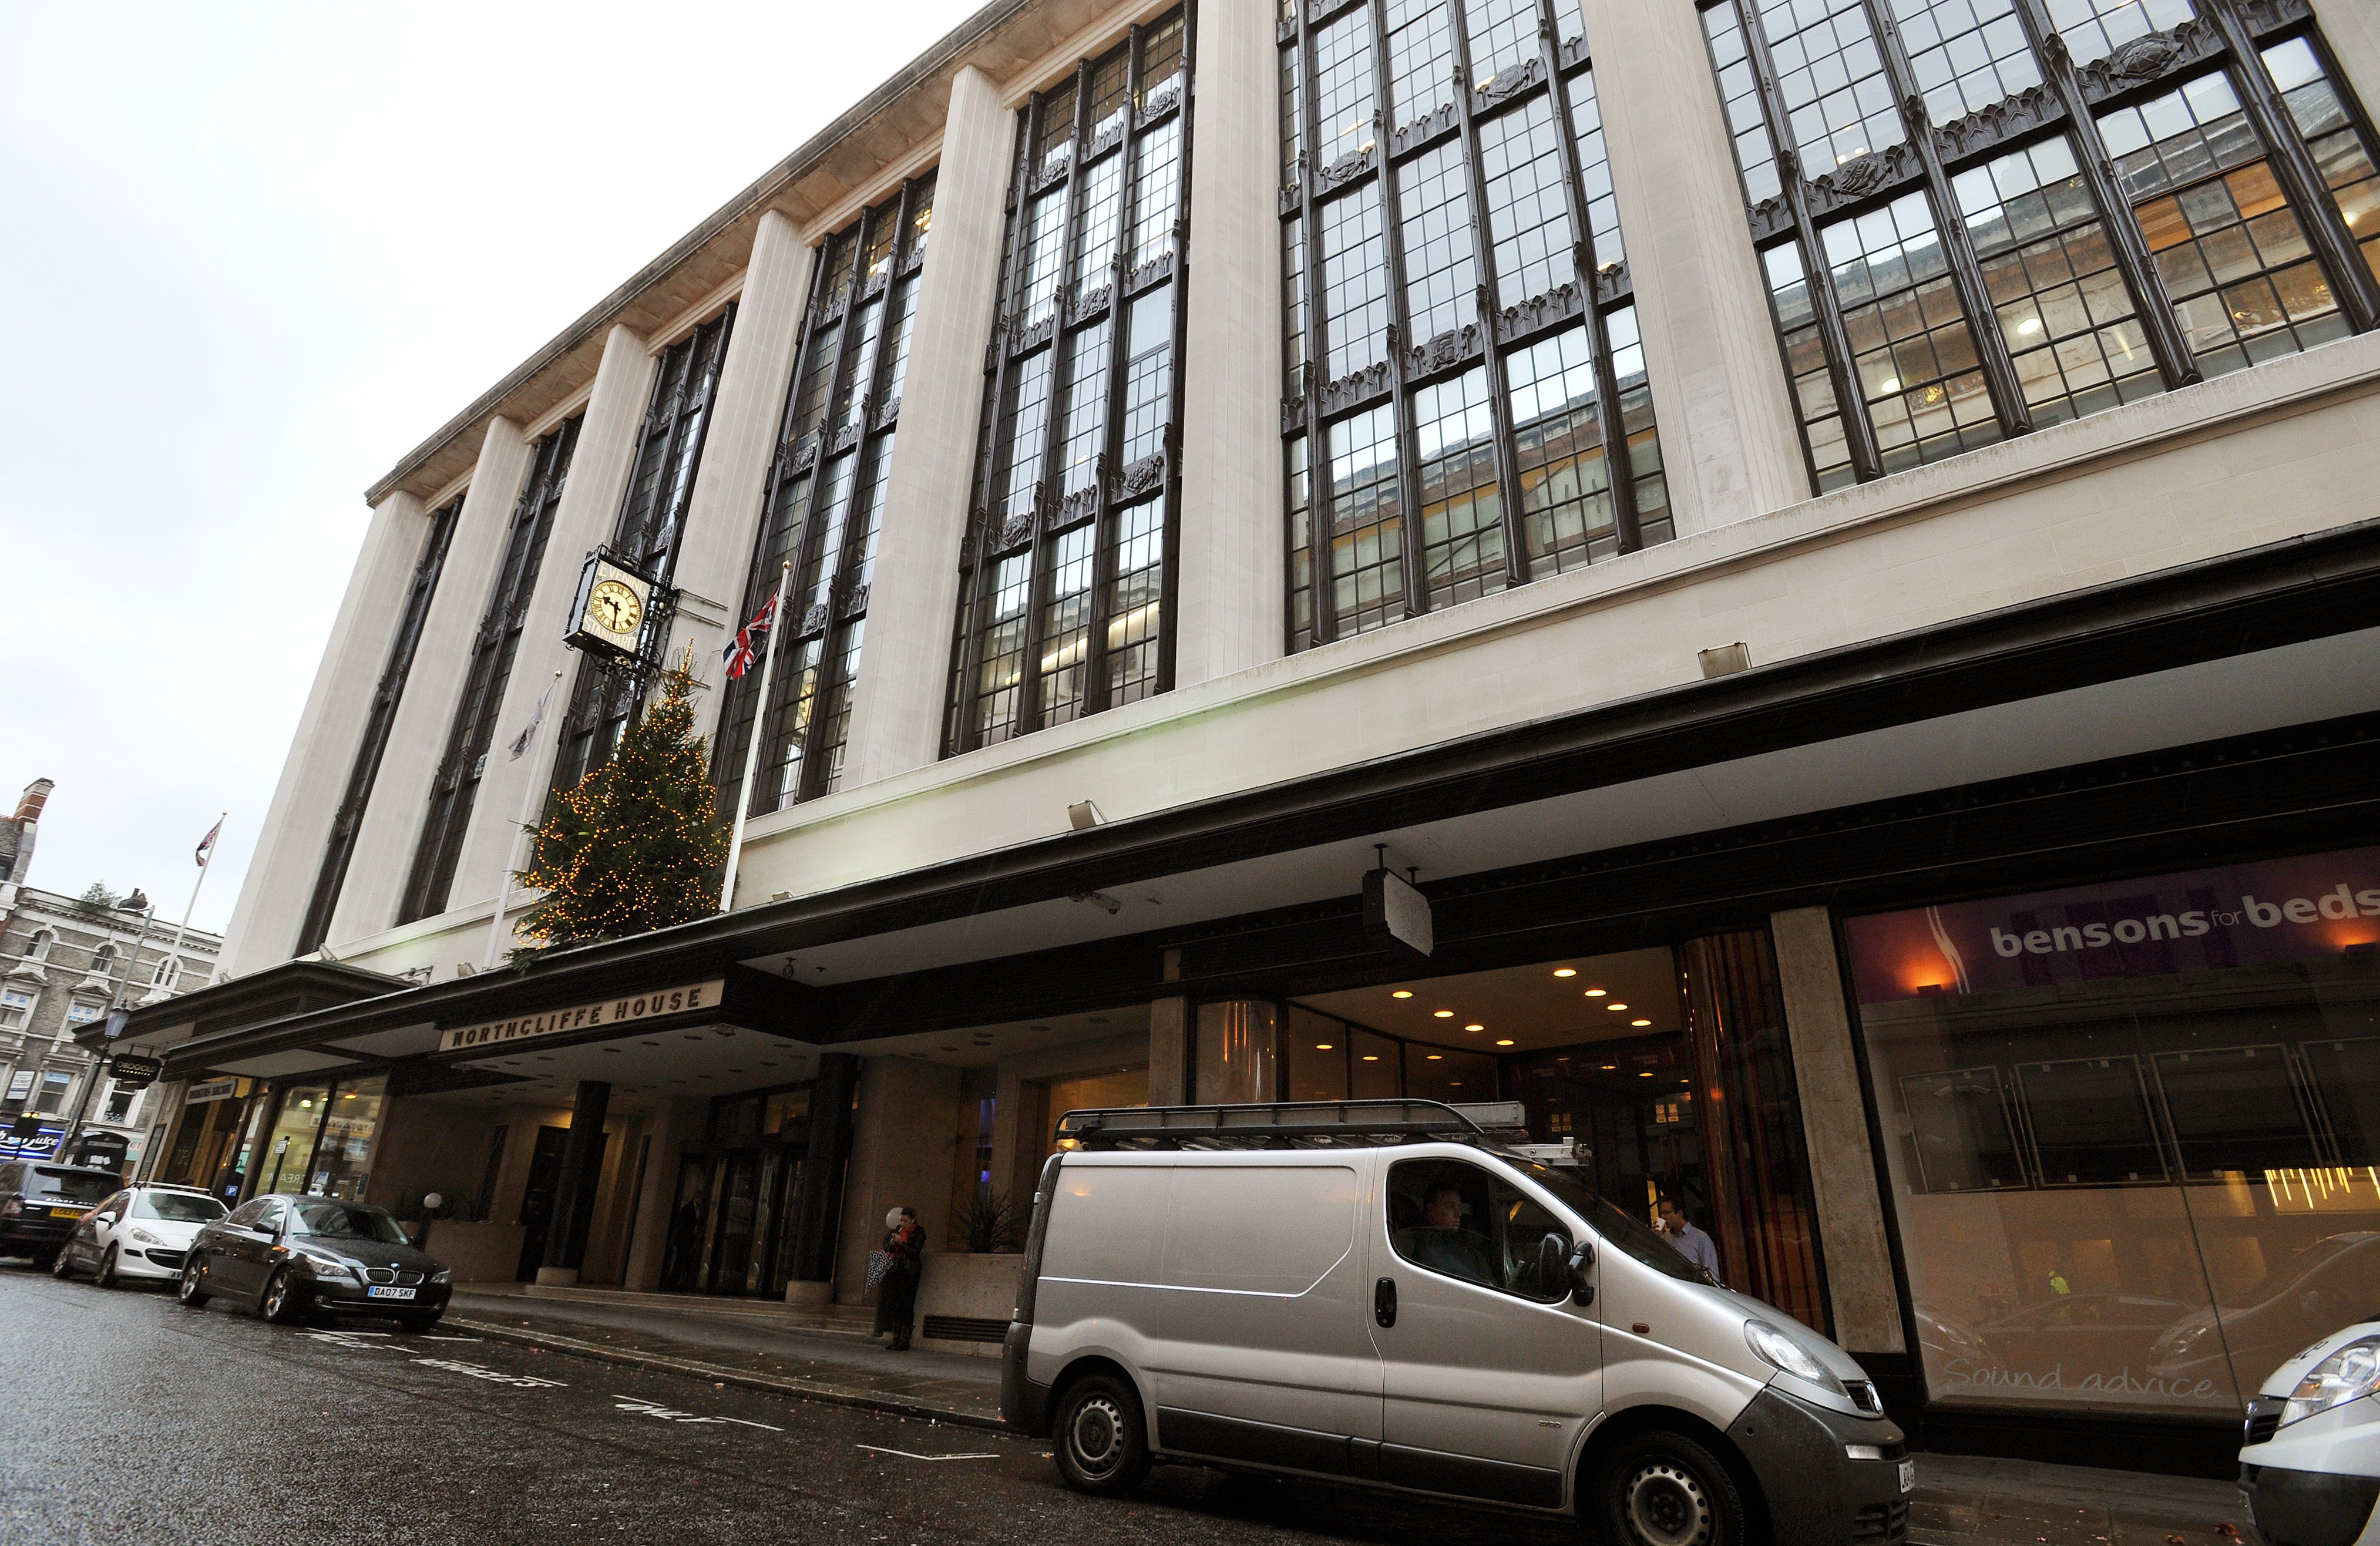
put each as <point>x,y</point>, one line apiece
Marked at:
<point>2309,1468</point>
<point>142,1232</point>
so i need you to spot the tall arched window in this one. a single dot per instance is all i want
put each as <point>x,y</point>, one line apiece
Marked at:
<point>37,947</point>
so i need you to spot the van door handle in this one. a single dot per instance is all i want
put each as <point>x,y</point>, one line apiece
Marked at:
<point>1384,1301</point>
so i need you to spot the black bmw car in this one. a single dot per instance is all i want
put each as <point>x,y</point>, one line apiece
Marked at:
<point>296,1256</point>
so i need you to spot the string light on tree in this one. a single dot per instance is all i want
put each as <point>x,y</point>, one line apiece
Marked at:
<point>638,846</point>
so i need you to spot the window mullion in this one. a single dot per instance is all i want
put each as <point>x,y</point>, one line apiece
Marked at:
<point>1320,556</point>
<point>1170,523</point>
<point>1415,563</point>
<point>964,736</point>
<point>2342,260</point>
<point>1951,229</point>
<point>781,687</point>
<point>1095,644</point>
<point>1612,423</point>
<point>1868,462</point>
<point>2150,304</point>
<point>1039,587</point>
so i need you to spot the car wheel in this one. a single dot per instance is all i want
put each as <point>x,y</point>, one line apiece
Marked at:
<point>285,1302</point>
<point>1666,1490</point>
<point>105,1277</point>
<point>1102,1440</point>
<point>419,1323</point>
<point>185,1287</point>
<point>61,1264</point>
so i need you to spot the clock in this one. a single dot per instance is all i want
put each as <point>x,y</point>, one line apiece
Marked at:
<point>615,606</point>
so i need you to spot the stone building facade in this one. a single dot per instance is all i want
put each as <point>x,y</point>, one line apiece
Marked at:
<point>1833,543</point>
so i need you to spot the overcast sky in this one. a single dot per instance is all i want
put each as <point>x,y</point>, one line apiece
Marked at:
<point>251,255</point>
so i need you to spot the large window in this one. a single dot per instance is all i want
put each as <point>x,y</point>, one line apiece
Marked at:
<point>824,502</point>
<point>456,785</point>
<point>1980,217</point>
<point>332,874</point>
<point>606,698</point>
<point>2130,1129</point>
<point>1460,333</point>
<point>1065,585</point>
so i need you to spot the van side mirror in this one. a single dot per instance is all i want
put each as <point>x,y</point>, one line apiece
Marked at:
<point>1558,1269</point>
<point>1580,1268</point>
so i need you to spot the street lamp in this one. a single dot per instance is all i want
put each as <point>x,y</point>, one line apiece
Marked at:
<point>113,1020</point>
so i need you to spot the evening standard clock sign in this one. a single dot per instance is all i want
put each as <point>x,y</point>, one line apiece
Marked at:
<point>624,1009</point>
<point>614,603</point>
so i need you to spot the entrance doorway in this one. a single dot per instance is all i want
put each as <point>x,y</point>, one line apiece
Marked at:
<point>1667,1069</point>
<point>728,1231</point>
<point>537,1200</point>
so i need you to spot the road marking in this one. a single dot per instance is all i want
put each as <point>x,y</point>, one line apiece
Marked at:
<point>638,1405</point>
<point>494,1376</point>
<point>350,1340</point>
<point>906,1455</point>
<point>450,1339</point>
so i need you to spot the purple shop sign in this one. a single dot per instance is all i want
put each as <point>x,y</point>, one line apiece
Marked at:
<point>2318,906</point>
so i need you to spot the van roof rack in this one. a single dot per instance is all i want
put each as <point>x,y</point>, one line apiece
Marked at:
<point>1287,1124</point>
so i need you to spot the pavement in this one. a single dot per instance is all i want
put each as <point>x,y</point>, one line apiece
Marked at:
<point>530,1417</point>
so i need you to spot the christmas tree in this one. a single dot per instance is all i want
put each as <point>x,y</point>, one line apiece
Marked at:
<point>638,846</point>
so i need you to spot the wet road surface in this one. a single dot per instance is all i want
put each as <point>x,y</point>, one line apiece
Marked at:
<point>130,1418</point>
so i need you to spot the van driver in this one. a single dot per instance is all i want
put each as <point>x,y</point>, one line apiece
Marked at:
<point>1444,1245</point>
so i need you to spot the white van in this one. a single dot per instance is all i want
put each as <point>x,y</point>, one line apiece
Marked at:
<point>1377,1292</point>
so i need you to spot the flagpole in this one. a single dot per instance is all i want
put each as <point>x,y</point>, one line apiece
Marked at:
<point>504,885</point>
<point>174,953</point>
<point>752,742</point>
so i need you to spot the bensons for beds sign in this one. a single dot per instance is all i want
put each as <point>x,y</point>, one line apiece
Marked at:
<point>684,999</point>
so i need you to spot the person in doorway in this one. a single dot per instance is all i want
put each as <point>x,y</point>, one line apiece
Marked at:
<point>1692,1243</point>
<point>897,1298</point>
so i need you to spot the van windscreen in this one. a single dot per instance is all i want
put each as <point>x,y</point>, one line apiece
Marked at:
<point>1622,1229</point>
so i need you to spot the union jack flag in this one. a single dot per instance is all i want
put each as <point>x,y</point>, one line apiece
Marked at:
<point>743,652</point>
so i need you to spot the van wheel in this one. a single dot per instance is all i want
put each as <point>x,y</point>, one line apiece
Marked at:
<point>1666,1490</point>
<point>1102,1442</point>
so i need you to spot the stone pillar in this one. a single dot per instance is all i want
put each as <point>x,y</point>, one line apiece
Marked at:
<point>1169,1051</point>
<point>913,597</point>
<point>314,778</point>
<point>1230,588</point>
<point>1727,424</point>
<point>425,715</point>
<point>1860,1285</point>
<point>2352,29</point>
<point>574,1190</point>
<point>590,507</point>
<point>901,1157</point>
<point>716,550</point>
<point>676,1122</point>
<point>818,1200</point>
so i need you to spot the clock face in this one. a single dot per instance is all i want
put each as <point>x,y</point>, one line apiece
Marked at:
<point>615,608</point>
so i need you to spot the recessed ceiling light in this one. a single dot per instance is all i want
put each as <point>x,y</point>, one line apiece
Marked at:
<point>1371,1057</point>
<point>1565,971</point>
<point>1640,1022</point>
<point>1645,1075</point>
<point>1611,1067</point>
<point>1615,1008</point>
<point>1322,1046</point>
<point>1401,993</point>
<point>1455,1083</point>
<point>1594,993</point>
<point>1505,1043</point>
<point>1443,1014</point>
<point>1434,1056</point>
<point>1474,1027</point>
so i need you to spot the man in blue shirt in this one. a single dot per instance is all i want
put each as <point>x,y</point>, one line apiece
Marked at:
<point>1692,1243</point>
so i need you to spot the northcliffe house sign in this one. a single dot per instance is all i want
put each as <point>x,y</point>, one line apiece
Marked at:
<point>624,1010</point>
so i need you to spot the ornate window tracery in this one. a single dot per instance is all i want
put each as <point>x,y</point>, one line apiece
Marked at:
<point>1460,337</point>
<point>1066,582</point>
<point>822,505</point>
<point>1979,217</point>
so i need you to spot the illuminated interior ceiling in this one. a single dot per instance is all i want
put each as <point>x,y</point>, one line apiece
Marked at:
<point>1527,1006</point>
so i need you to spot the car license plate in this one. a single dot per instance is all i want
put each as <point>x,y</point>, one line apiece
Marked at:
<point>1909,1476</point>
<point>378,1293</point>
<point>67,1213</point>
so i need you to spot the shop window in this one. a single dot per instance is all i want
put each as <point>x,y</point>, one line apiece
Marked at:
<point>2132,1129</point>
<point>289,1149</point>
<point>1236,1054</point>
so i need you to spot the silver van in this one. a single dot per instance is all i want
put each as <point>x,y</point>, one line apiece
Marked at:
<point>1381,1293</point>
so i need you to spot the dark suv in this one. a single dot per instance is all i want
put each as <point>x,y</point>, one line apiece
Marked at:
<point>40,1205</point>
